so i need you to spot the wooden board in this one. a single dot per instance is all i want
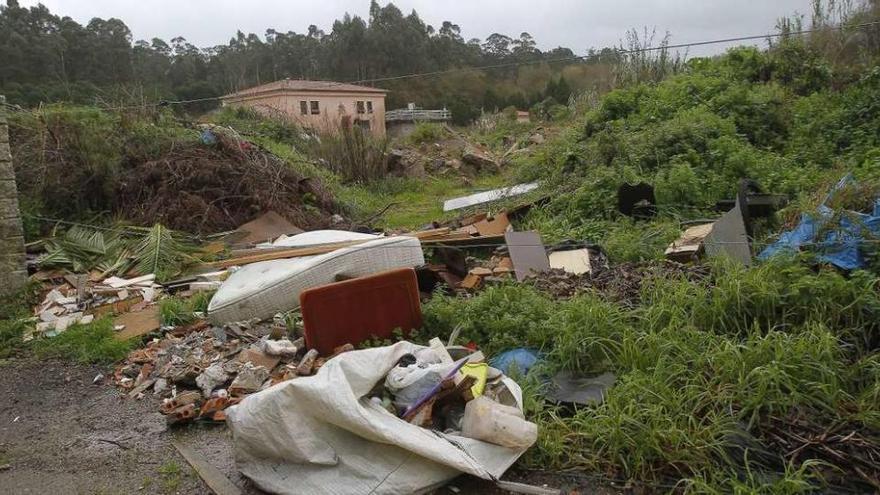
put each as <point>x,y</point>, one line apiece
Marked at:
<point>216,481</point>
<point>138,323</point>
<point>278,254</point>
<point>266,228</point>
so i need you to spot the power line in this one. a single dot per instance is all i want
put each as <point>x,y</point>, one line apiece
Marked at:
<point>617,52</point>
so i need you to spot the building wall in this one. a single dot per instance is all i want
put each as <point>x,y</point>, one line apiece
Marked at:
<point>13,273</point>
<point>333,107</point>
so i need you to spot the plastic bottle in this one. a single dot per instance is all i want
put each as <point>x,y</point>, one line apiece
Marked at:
<point>487,420</point>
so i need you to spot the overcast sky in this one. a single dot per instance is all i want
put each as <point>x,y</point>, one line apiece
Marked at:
<point>576,24</point>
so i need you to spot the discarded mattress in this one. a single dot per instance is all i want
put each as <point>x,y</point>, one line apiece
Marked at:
<point>320,434</point>
<point>260,290</point>
<point>319,237</point>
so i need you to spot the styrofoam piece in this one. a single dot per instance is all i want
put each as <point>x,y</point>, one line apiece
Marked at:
<point>319,237</point>
<point>576,261</point>
<point>487,196</point>
<point>260,290</point>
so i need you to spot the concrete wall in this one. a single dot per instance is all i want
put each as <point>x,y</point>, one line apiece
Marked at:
<point>334,107</point>
<point>12,261</point>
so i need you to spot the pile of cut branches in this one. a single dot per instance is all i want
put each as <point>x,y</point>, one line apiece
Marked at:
<point>209,189</point>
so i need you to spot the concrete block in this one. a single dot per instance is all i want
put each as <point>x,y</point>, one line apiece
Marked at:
<point>8,189</point>
<point>10,228</point>
<point>9,209</point>
<point>6,171</point>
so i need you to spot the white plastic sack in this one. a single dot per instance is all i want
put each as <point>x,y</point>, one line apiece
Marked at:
<point>319,434</point>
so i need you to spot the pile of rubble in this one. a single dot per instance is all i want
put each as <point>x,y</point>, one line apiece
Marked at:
<point>199,369</point>
<point>81,298</point>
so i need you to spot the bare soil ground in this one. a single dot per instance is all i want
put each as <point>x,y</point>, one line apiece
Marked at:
<point>60,433</point>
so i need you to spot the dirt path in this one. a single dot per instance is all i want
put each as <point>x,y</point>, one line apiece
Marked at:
<point>60,433</point>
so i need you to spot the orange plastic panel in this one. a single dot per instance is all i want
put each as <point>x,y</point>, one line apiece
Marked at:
<point>356,310</point>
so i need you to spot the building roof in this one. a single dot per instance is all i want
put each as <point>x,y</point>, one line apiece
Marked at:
<point>303,85</point>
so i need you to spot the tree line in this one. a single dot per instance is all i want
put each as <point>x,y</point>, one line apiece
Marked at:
<point>49,58</point>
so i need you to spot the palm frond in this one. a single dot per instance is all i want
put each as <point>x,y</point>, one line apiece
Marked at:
<point>145,250</point>
<point>159,251</point>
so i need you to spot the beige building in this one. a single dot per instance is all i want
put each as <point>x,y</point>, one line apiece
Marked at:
<point>321,105</point>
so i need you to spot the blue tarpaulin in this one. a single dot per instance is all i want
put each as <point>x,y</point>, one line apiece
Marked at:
<point>839,244</point>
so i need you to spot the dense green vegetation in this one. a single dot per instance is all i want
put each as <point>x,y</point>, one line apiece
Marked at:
<point>711,375</point>
<point>705,372</point>
<point>783,117</point>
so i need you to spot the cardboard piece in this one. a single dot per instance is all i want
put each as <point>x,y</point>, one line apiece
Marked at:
<point>527,253</point>
<point>576,261</point>
<point>687,245</point>
<point>493,226</point>
<point>265,228</point>
<point>138,323</point>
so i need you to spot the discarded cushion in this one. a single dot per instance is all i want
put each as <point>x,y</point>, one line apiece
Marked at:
<point>320,434</point>
<point>260,290</point>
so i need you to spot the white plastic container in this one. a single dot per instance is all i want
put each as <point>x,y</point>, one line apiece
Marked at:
<point>487,420</point>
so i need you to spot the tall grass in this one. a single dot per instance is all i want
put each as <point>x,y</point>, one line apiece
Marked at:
<point>352,153</point>
<point>701,368</point>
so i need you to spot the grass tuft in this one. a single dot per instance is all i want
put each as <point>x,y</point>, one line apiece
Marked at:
<point>92,343</point>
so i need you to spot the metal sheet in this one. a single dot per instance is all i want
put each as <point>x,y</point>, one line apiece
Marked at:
<point>487,196</point>
<point>729,237</point>
<point>527,253</point>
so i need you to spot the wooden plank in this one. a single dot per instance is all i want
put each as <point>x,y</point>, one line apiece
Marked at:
<point>142,387</point>
<point>281,254</point>
<point>216,481</point>
<point>525,489</point>
<point>468,241</point>
<point>449,239</point>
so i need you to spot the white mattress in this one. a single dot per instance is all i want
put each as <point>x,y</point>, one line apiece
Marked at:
<point>260,290</point>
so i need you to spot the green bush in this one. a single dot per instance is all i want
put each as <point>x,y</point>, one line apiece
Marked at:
<point>427,133</point>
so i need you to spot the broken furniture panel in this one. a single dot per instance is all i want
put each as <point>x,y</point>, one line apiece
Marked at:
<point>729,237</point>
<point>356,310</point>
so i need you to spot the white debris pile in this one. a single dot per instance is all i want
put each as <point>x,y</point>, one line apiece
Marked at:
<point>75,299</point>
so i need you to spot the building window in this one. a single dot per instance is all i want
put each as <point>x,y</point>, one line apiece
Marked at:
<point>360,107</point>
<point>369,107</point>
<point>304,107</point>
<point>316,110</point>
